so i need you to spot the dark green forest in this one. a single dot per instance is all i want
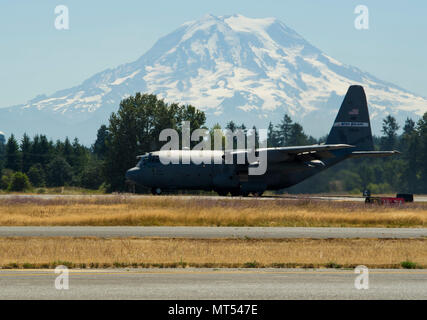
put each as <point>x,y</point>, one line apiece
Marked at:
<point>29,163</point>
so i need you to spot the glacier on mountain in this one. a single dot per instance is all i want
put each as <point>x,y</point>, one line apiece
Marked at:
<point>232,67</point>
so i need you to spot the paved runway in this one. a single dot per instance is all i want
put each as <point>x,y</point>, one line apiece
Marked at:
<point>421,198</point>
<point>214,232</point>
<point>214,284</point>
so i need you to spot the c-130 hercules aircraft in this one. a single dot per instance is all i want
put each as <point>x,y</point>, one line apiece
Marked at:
<point>350,137</point>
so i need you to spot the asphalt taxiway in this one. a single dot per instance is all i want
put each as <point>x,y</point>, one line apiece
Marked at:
<point>214,232</point>
<point>420,198</point>
<point>214,284</point>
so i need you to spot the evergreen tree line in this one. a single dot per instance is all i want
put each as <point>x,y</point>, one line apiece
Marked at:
<point>134,130</point>
<point>39,162</point>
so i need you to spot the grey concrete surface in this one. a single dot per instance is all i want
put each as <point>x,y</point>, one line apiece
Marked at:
<point>213,232</point>
<point>214,284</point>
<point>420,198</point>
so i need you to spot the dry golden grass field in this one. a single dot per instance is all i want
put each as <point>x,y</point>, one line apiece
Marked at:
<point>96,252</point>
<point>190,211</point>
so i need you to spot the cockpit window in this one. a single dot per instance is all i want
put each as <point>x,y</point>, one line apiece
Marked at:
<point>148,159</point>
<point>154,159</point>
<point>143,160</point>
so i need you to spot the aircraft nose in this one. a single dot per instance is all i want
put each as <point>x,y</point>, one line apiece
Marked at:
<point>131,174</point>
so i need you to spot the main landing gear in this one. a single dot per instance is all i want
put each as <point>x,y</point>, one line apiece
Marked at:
<point>238,193</point>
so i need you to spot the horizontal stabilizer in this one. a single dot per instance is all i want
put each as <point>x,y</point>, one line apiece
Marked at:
<point>373,154</point>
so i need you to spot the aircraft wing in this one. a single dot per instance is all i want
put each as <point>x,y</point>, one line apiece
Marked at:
<point>373,154</point>
<point>304,153</point>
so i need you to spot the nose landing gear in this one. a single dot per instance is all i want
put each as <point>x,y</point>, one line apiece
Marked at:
<point>156,191</point>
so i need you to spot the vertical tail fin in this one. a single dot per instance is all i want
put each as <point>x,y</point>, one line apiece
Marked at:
<point>352,125</point>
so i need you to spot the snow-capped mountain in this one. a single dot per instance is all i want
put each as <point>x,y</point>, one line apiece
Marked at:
<point>233,68</point>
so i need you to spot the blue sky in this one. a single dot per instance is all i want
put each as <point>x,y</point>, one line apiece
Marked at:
<point>35,58</point>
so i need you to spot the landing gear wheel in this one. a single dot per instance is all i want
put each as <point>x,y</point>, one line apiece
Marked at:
<point>235,193</point>
<point>257,193</point>
<point>156,191</point>
<point>222,193</point>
